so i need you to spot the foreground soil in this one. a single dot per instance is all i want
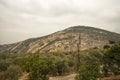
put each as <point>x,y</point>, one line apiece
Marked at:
<point>70,77</point>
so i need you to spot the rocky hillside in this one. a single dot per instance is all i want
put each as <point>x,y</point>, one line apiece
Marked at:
<point>64,41</point>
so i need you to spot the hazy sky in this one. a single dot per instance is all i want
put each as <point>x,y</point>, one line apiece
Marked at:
<point>22,19</point>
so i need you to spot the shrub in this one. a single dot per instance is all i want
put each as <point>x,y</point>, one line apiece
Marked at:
<point>111,60</point>
<point>89,71</point>
<point>12,73</point>
<point>3,65</point>
<point>61,67</point>
<point>38,68</point>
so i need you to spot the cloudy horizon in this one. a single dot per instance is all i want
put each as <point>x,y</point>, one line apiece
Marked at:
<point>23,19</point>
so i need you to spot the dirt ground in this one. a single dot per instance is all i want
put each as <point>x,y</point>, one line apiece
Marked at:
<point>69,77</point>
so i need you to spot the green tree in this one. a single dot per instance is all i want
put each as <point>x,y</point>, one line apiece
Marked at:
<point>112,42</point>
<point>106,46</point>
<point>4,64</point>
<point>12,73</point>
<point>89,71</point>
<point>61,68</point>
<point>111,60</point>
<point>38,68</point>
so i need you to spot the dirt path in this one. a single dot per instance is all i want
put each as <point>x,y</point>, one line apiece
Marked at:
<point>112,78</point>
<point>69,77</point>
<point>72,76</point>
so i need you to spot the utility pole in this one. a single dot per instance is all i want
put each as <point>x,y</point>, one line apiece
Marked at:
<point>78,47</point>
<point>70,41</point>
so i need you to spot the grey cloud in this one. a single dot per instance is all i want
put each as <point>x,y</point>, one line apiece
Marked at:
<point>41,17</point>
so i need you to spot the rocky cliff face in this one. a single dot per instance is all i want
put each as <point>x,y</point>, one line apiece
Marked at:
<point>64,41</point>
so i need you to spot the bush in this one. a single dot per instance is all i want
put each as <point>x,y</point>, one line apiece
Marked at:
<point>106,46</point>
<point>38,68</point>
<point>3,65</point>
<point>111,60</point>
<point>12,73</point>
<point>112,42</point>
<point>61,68</point>
<point>89,71</point>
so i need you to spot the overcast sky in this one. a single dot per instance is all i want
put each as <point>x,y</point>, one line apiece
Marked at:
<point>23,19</point>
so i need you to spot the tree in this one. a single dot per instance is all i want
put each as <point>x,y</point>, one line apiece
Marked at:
<point>106,46</point>
<point>112,42</point>
<point>12,73</point>
<point>111,60</point>
<point>3,65</point>
<point>61,67</point>
<point>38,68</point>
<point>89,71</point>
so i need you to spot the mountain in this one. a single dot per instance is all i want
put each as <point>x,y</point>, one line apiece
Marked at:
<point>64,41</point>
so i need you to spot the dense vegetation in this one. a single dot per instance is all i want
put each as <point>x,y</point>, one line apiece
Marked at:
<point>94,63</point>
<point>9,66</point>
<point>105,65</point>
<point>111,60</point>
<point>89,71</point>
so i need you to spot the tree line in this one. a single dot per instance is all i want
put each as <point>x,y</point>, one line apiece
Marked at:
<point>94,64</point>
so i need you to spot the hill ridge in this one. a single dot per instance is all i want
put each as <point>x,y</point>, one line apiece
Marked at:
<point>63,41</point>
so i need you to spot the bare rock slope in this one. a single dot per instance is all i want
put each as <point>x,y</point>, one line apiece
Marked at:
<point>63,41</point>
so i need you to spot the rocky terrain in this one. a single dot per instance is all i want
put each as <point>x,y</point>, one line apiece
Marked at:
<point>64,41</point>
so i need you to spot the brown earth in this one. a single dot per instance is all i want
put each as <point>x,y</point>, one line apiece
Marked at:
<point>69,77</point>
<point>72,76</point>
